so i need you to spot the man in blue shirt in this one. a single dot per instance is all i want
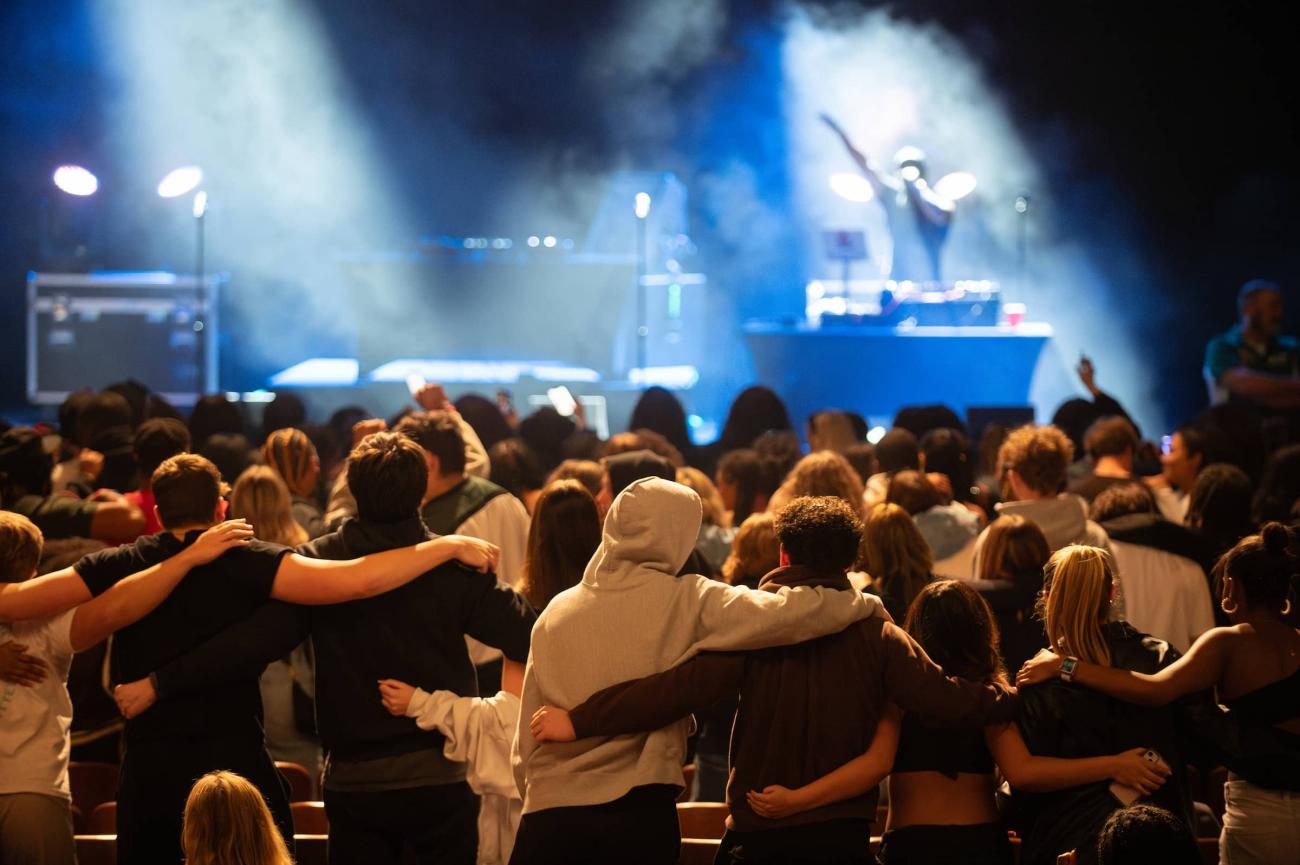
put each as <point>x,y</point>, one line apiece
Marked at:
<point>1253,363</point>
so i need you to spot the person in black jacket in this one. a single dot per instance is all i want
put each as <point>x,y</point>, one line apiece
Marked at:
<point>387,783</point>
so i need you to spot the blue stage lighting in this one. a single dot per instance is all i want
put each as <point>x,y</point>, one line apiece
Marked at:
<point>75,180</point>
<point>180,181</point>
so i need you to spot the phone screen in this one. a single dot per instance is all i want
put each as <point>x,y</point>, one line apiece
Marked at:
<point>563,401</point>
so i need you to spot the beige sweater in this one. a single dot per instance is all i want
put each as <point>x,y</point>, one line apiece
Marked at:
<point>631,617</point>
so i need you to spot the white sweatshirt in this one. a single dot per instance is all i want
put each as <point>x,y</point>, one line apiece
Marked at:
<point>631,617</point>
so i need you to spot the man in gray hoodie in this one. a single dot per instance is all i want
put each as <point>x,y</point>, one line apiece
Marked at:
<point>1032,464</point>
<point>611,799</point>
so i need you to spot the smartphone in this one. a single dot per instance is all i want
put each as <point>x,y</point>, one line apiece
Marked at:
<point>563,401</point>
<point>1166,442</point>
<point>415,383</point>
<point>1126,795</point>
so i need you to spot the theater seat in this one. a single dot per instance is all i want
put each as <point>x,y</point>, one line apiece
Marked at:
<point>707,820</point>
<point>698,851</point>
<point>311,849</point>
<point>103,820</point>
<point>92,784</point>
<point>299,781</point>
<point>309,818</point>
<point>96,849</point>
<point>1067,858</point>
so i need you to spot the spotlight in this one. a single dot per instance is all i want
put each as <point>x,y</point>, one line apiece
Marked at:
<point>956,186</point>
<point>875,434</point>
<point>548,241</point>
<point>180,181</point>
<point>200,204</point>
<point>534,240</point>
<point>642,205</point>
<point>853,187</point>
<point>75,180</point>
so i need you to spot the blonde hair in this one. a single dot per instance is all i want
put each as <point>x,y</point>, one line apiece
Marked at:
<point>227,823</point>
<point>715,513</point>
<point>824,473</point>
<point>290,452</point>
<point>21,543</point>
<point>894,552</point>
<point>831,431</point>
<point>262,498</point>
<point>755,551</point>
<point>1014,549</point>
<point>1077,585</point>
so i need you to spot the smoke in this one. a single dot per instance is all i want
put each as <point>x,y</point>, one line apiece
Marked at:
<point>890,83</point>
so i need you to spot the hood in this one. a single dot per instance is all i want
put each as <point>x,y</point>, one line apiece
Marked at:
<point>630,466</point>
<point>947,528</point>
<point>649,531</point>
<point>1062,519</point>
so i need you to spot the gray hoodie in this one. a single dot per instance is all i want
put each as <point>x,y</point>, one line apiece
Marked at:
<point>630,617</point>
<point>1064,520</point>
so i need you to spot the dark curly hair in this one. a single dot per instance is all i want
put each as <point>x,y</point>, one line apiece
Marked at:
<point>821,532</point>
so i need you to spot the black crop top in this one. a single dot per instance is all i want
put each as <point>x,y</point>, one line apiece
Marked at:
<point>1272,704</point>
<point>947,751</point>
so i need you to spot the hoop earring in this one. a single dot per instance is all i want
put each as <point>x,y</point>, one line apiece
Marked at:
<point>1286,608</point>
<point>1223,605</point>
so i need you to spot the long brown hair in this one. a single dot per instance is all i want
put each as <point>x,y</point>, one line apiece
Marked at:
<point>562,538</point>
<point>290,452</point>
<point>227,823</point>
<point>895,553</point>
<point>1077,584</point>
<point>755,552</point>
<point>955,626</point>
<point>1015,549</point>
<point>824,473</point>
<point>715,513</point>
<point>261,497</point>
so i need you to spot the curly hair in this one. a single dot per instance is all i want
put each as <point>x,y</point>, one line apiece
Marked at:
<point>1040,455</point>
<point>822,532</point>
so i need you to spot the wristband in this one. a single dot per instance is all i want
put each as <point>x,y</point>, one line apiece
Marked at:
<point>1068,666</point>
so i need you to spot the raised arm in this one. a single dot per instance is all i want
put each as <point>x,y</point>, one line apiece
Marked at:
<point>737,619</point>
<point>301,580</point>
<point>881,184</point>
<point>854,778</point>
<point>134,597</point>
<point>1201,668</point>
<point>1033,774</point>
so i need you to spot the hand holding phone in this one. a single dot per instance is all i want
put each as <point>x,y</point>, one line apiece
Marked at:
<point>1140,772</point>
<point>563,400</point>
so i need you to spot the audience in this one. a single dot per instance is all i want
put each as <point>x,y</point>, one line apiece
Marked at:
<point>1254,667</point>
<point>895,558</point>
<point>1111,443</point>
<point>898,450</point>
<point>948,527</point>
<point>862,457</point>
<point>286,411</point>
<point>638,617</point>
<point>716,532</point>
<point>831,431</point>
<point>1012,562</point>
<point>517,471</point>
<point>226,821</point>
<point>824,473</point>
<point>1219,507</point>
<point>586,472</point>
<point>746,481</point>
<point>231,453</point>
<point>756,410</point>
<point>485,417</point>
<point>155,440</point>
<point>1191,448</point>
<point>1140,834</point>
<point>214,414</point>
<point>659,411</point>
<point>1032,463</point>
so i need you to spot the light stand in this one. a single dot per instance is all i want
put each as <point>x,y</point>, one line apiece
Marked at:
<point>200,293</point>
<point>642,211</point>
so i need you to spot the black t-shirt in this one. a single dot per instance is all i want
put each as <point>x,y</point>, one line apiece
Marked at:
<point>209,599</point>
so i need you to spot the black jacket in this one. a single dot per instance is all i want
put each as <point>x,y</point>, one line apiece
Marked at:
<point>415,633</point>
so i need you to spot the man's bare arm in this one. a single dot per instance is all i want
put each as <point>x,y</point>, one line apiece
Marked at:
<point>1278,391</point>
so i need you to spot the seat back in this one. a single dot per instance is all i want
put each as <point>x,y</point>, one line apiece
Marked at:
<point>299,780</point>
<point>705,820</point>
<point>309,818</point>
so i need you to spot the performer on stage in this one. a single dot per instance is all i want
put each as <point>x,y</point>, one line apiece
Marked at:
<point>918,216</point>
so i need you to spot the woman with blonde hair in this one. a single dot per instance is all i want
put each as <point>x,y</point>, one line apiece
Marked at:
<point>227,823</point>
<point>290,452</point>
<point>1061,719</point>
<point>824,473</point>
<point>895,557</point>
<point>262,498</point>
<point>755,553</point>
<point>288,685</point>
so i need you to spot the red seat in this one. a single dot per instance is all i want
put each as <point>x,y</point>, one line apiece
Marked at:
<point>309,818</point>
<point>704,820</point>
<point>96,849</point>
<point>311,849</point>
<point>103,820</point>
<point>698,851</point>
<point>92,784</point>
<point>299,781</point>
<point>1209,850</point>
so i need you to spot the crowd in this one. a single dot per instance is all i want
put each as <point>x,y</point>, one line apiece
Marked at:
<point>497,639</point>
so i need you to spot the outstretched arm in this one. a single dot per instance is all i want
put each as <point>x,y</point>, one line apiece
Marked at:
<point>133,598</point>
<point>881,184</point>
<point>736,619</point>
<point>301,580</point>
<point>1033,774</point>
<point>1201,668</point>
<point>852,779</point>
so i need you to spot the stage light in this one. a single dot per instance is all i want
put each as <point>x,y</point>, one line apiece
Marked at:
<point>956,186</point>
<point>642,205</point>
<point>853,187</point>
<point>548,241</point>
<point>75,180</point>
<point>875,434</point>
<point>180,181</point>
<point>200,204</point>
<point>534,240</point>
